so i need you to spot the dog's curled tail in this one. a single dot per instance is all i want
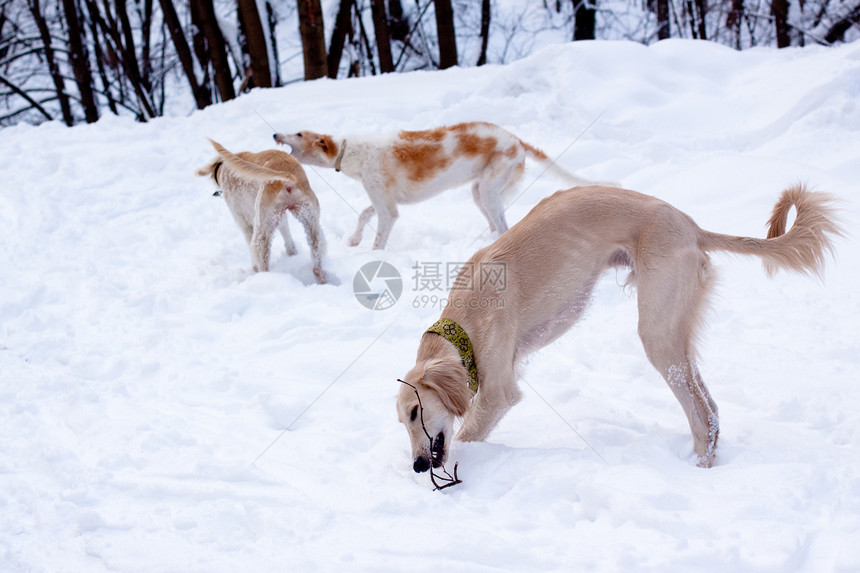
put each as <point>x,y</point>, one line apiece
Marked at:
<point>246,168</point>
<point>551,166</point>
<point>804,248</point>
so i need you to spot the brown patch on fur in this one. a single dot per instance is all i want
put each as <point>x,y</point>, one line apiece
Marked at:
<point>432,135</point>
<point>471,144</point>
<point>440,133</point>
<point>510,152</point>
<point>470,125</point>
<point>421,160</point>
<point>327,145</point>
<point>389,177</point>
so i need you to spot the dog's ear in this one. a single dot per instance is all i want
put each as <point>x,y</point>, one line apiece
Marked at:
<point>326,144</point>
<point>449,379</point>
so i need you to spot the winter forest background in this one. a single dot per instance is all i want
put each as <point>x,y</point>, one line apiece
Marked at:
<point>77,60</point>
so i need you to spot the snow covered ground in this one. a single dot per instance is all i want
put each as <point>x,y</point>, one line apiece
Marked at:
<point>164,409</point>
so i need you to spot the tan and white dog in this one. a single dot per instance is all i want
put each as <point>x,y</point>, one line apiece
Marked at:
<point>552,259</point>
<point>411,166</point>
<point>259,189</point>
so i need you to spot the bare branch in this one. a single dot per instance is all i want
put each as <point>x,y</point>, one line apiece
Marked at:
<point>24,95</point>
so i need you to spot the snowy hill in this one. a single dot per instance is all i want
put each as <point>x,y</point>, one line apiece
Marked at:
<point>165,409</point>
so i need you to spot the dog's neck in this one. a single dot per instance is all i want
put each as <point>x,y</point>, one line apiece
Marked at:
<point>339,157</point>
<point>454,333</point>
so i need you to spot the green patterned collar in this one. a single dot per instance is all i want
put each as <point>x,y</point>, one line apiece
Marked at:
<point>454,333</point>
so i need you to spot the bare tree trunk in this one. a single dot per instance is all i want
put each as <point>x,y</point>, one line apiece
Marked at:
<point>128,46</point>
<point>663,30</point>
<point>485,31</point>
<point>258,55</point>
<point>583,20</point>
<point>146,43</point>
<point>692,12</point>
<point>383,42</point>
<point>216,49</point>
<point>313,39</point>
<point>272,20</point>
<point>342,28</point>
<point>201,94</point>
<point>201,49</point>
<point>80,61</point>
<point>446,34</point>
<point>398,25</point>
<point>701,11</point>
<point>59,83</point>
<point>97,29</point>
<point>779,11</point>
<point>129,56</point>
<point>733,21</point>
<point>4,47</point>
<point>836,33</point>
<point>357,64</point>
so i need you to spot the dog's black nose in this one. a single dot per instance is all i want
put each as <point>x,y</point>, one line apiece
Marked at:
<point>275,136</point>
<point>421,465</point>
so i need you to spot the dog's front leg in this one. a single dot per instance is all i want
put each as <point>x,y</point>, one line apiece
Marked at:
<point>481,419</point>
<point>495,397</point>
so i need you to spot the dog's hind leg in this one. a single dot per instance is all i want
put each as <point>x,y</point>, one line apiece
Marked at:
<point>365,216</point>
<point>671,293</point>
<point>476,197</point>
<point>289,245</point>
<point>265,223</point>
<point>498,179</point>
<point>309,217</point>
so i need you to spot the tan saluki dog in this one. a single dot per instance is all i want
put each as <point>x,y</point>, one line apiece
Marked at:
<point>259,189</point>
<point>411,166</point>
<point>552,260</point>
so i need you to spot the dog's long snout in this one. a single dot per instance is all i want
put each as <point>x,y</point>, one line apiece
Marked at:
<point>421,464</point>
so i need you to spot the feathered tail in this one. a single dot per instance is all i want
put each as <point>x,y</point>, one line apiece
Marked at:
<point>803,249</point>
<point>242,167</point>
<point>551,166</point>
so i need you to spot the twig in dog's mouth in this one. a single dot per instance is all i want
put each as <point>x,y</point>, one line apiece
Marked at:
<point>445,478</point>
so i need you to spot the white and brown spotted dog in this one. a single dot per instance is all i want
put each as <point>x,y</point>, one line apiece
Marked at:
<point>259,189</point>
<point>552,260</point>
<point>411,166</point>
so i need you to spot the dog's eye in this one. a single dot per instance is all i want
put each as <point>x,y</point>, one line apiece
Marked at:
<point>299,134</point>
<point>414,413</point>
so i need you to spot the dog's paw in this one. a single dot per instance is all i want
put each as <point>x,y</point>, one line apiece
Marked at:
<point>354,240</point>
<point>320,276</point>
